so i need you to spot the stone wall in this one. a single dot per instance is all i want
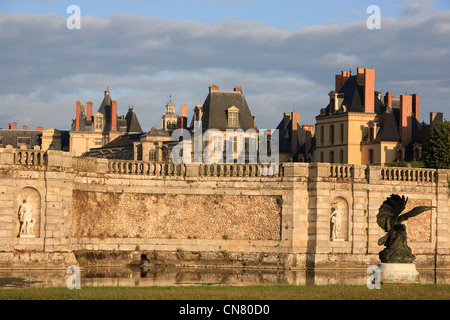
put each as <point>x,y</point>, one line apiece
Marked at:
<point>199,214</point>
<point>175,216</point>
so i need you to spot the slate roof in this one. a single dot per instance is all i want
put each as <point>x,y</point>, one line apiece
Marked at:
<point>354,97</point>
<point>215,111</point>
<point>125,140</point>
<point>133,125</point>
<point>389,130</point>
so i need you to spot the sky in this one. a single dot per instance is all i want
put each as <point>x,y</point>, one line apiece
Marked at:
<point>285,55</point>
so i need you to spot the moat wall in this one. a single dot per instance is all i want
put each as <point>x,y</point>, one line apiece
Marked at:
<point>95,211</point>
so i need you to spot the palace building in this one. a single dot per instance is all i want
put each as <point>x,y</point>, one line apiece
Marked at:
<point>90,130</point>
<point>359,126</point>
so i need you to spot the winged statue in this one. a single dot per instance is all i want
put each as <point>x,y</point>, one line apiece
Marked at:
<point>390,219</point>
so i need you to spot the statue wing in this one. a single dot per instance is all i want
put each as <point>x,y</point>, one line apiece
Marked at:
<point>390,210</point>
<point>414,212</point>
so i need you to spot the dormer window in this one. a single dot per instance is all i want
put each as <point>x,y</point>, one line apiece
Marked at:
<point>233,117</point>
<point>98,122</point>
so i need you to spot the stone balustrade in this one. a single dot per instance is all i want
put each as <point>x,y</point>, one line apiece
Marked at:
<point>241,170</point>
<point>341,171</point>
<point>146,168</point>
<point>29,157</point>
<point>408,174</point>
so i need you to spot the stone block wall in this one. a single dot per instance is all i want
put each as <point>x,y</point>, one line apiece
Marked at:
<point>282,219</point>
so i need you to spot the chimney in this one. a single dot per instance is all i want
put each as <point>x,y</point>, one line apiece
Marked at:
<point>435,119</point>
<point>114,115</point>
<point>24,127</point>
<point>15,125</point>
<point>9,126</point>
<point>360,76</point>
<point>406,118</point>
<point>388,99</point>
<point>40,128</point>
<point>238,89</point>
<point>77,114</point>
<point>213,87</point>
<point>310,128</point>
<point>287,118</point>
<point>184,110</point>
<point>416,106</point>
<point>296,120</point>
<point>369,90</point>
<point>342,79</point>
<point>89,110</point>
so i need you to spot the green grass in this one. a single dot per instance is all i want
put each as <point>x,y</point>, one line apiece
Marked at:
<point>387,292</point>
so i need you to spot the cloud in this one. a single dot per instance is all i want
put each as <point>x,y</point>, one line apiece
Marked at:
<point>46,68</point>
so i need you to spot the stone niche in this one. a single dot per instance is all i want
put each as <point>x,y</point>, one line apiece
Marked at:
<point>339,218</point>
<point>28,199</point>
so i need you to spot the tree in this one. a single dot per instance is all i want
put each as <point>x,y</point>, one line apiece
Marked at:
<point>436,151</point>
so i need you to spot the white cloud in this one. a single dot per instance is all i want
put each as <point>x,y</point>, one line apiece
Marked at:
<point>46,67</point>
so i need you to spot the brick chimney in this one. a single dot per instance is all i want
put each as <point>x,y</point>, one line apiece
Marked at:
<point>238,89</point>
<point>15,125</point>
<point>342,79</point>
<point>9,126</point>
<point>77,115</point>
<point>310,128</point>
<point>369,90</point>
<point>114,115</point>
<point>184,110</point>
<point>406,114</point>
<point>213,87</point>
<point>24,127</point>
<point>435,119</point>
<point>416,106</point>
<point>89,110</point>
<point>40,128</point>
<point>388,99</point>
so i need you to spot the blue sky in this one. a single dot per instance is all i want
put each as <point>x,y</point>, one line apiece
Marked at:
<point>279,51</point>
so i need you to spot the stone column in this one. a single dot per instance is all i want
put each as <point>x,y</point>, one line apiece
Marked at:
<point>319,214</point>
<point>442,219</point>
<point>360,214</point>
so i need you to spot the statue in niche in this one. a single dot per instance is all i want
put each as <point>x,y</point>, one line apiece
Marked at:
<point>336,221</point>
<point>390,219</point>
<point>25,218</point>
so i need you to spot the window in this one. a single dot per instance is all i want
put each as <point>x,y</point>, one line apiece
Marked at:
<point>331,156</point>
<point>342,133</point>
<point>321,157</point>
<point>98,142</point>
<point>233,117</point>
<point>332,134</point>
<point>152,155</point>
<point>24,141</point>
<point>322,135</point>
<point>371,156</point>
<point>341,156</point>
<point>98,123</point>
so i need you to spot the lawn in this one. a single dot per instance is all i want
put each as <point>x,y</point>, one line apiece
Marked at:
<point>387,292</point>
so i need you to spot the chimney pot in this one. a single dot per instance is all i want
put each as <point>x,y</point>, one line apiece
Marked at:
<point>9,126</point>
<point>14,125</point>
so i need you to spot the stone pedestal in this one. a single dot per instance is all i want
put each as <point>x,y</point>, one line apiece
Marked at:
<point>405,273</point>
